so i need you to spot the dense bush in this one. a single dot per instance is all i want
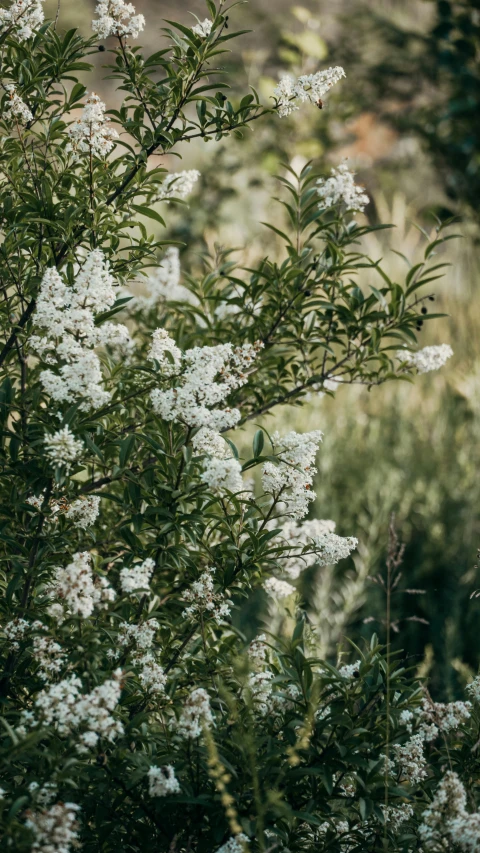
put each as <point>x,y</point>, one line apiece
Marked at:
<point>135,715</point>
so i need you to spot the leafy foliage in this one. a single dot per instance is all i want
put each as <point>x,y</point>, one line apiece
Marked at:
<point>107,673</point>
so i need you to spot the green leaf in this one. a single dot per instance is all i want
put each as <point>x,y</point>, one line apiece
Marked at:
<point>258,442</point>
<point>143,210</point>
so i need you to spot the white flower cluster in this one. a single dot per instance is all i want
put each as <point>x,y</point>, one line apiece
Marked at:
<point>435,717</point>
<point>204,599</point>
<point>310,87</point>
<point>152,675</point>
<point>332,548</point>
<point>164,284</point>
<point>55,830</point>
<point>296,538</point>
<point>210,443</point>
<point>91,133</point>
<point>43,794</point>
<point>277,588</point>
<point>236,844</point>
<point>16,108</point>
<point>410,759</point>
<point>426,359</point>
<point>162,781</point>
<point>221,471</point>
<point>62,448</point>
<point>36,500</point>
<point>269,698</point>
<point>141,636</point>
<point>178,185</point>
<point>473,689</point>
<point>16,631</point>
<point>350,670</point>
<point>67,709</point>
<point>209,375</point>
<point>117,18</point>
<point>165,351</point>
<point>49,656</point>
<point>196,714</point>
<point>438,717</point>
<point>396,815</point>
<point>203,28</point>
<point>341,187</point>
<point>223,475</point>
<point>79,588</point>
<point>258,650</point>
<point>138,577</point>
<point>24,16</point>
<point>294,472</point>
<point>84,511</point>
<point>67,316</point>
<point>446,821</point>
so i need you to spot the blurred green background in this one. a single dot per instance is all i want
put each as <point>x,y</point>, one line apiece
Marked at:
<point>407,118</point>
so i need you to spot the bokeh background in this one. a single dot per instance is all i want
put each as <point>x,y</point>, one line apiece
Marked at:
<point>407,117</point>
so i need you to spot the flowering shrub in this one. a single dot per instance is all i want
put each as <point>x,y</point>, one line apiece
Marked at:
<point>135,716</point>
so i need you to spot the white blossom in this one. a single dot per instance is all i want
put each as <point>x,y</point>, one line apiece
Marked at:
<point>16,108</point>
<point>141,635</point>
<point>223,475</point>
<point>55,830</point>
<point>258,650</point>
<point>428,358</point>
<point>84,511</point>
<point>117,18</point>
<point>162,344</point>
<point>473,689</point>
<point>202,598</point>
<point>137,578</point>
<point>15,631</point>
<point>341,187</point>
<point>330,548</point>
<point>164,285</point>
<point>62,448</point>
<point>141,638</point>
<point>203,28</point>
<point>350,670</point>
<point>396,815</point>
<point>448,805</point>
<point>35,500</point>
<point>236,844</point>
<point>49,656</point>
<point>91,133</point>
<point>294,472</point>
<point>67,709</point>
<point>297,543</point>
<point>208,376</point>
<point>435,717</point>
<point>278,588</point>
<point>178,185</point>
<point>43,794</point>
<point>196,714</point>
<point>66,314</point>
<point>162,781</point>
<point>309,87</point>
<point>209,442</point>
<point>23,16</point>
<point>77,586</point>
<point>411,760</point>
<point>151,675</point>
<point>268,699</point>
